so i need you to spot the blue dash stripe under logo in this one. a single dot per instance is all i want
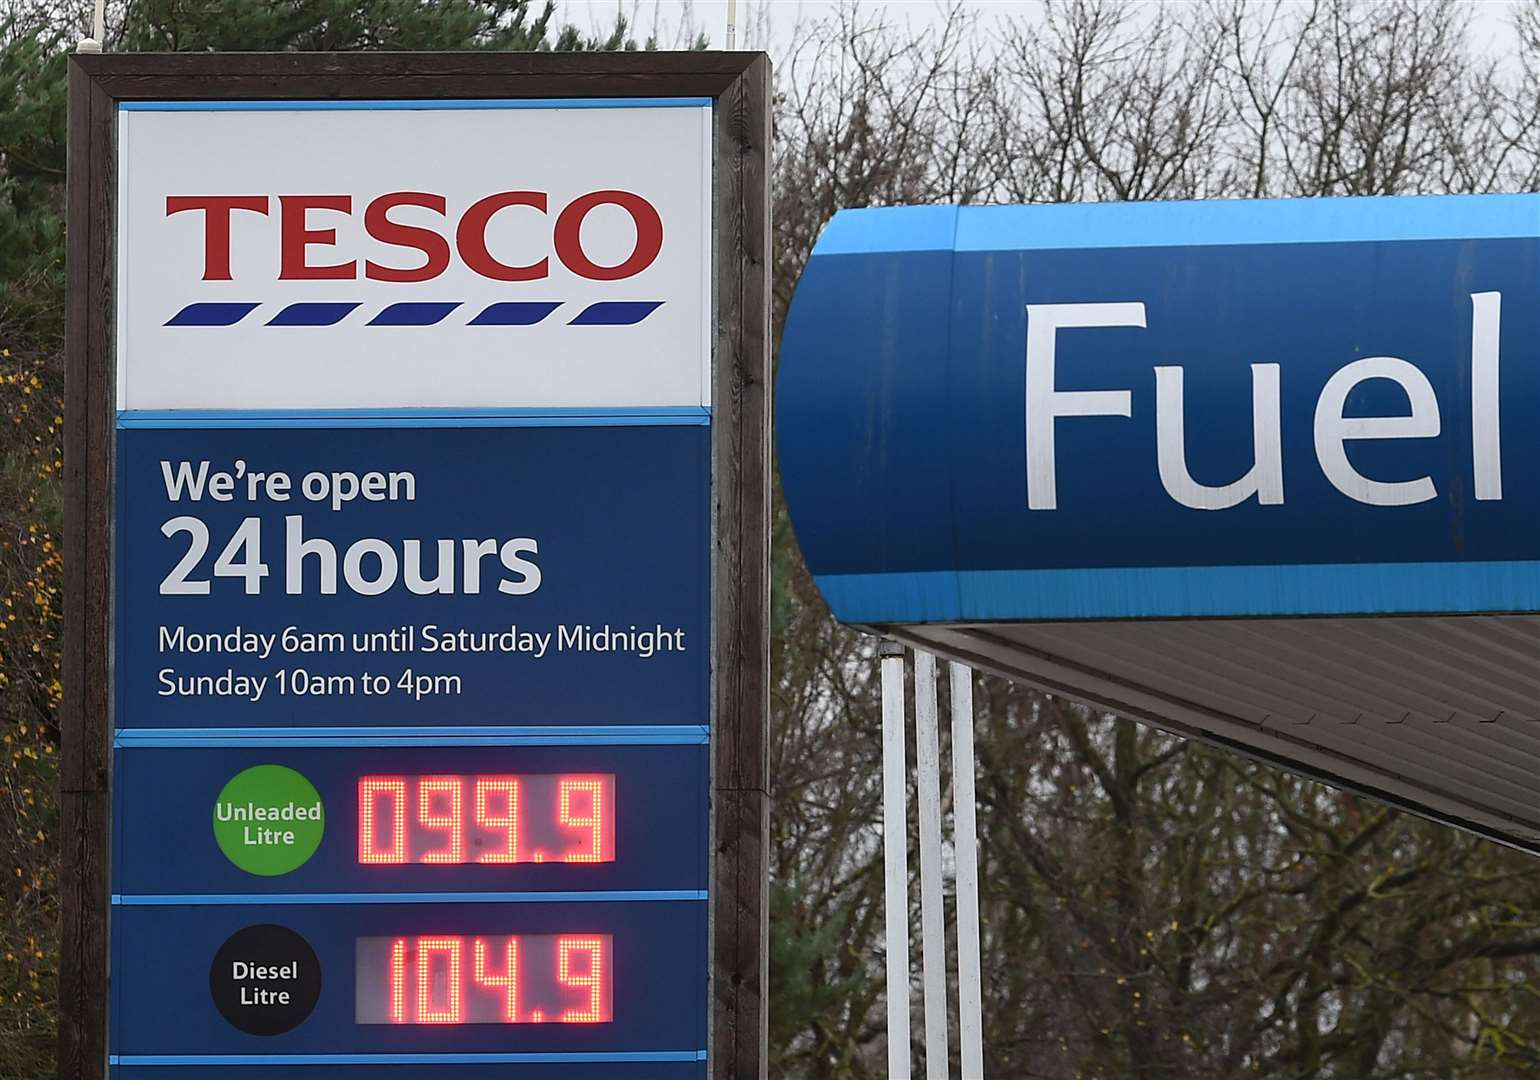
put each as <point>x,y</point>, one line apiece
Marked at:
<point>414,314</point>
<point>312,314</point>
<point>515,313</point>
<point>420,313</point>
<point>616,312</point>
<point>211,314</point>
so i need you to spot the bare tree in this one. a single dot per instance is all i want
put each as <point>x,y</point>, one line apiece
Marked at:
<point>1152,908</point>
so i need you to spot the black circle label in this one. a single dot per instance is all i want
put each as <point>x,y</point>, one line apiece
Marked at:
<point>265,980</point>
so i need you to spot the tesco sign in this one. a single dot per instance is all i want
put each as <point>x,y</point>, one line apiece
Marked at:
<point>302,225</point>
<point>515,254</point>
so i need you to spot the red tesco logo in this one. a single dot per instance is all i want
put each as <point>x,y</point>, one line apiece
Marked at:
<point>297,235</point>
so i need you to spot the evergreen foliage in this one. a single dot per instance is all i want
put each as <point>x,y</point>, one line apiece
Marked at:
<point>34,44</point>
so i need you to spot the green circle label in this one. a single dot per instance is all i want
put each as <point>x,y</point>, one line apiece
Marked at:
<point>269,820</point>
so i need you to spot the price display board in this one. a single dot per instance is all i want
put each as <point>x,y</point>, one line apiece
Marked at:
<point>417,700</point>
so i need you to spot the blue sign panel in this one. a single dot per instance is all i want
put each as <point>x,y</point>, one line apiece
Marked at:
<point>1307,407</point>
<point>412,764</point>
<point>537,1066</point>
<point>508,576</point>
<point>646,831</point>
<point>584,977</point>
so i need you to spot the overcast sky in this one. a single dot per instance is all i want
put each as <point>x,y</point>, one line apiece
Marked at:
<point>1489,17</point>
<point>780,15</point>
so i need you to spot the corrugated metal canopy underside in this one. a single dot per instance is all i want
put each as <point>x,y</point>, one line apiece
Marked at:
<point>1439,715</point>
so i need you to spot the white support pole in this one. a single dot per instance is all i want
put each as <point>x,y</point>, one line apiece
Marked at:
<point>932,910</point>
<point>93,44</point>
<point>895,858</point>
<point>970,980</point>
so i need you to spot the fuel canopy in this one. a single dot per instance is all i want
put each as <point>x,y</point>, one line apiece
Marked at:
<point>1262,473</point>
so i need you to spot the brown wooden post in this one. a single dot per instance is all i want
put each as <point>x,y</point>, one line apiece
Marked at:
<point>85,715</point>
<point>741,427</point>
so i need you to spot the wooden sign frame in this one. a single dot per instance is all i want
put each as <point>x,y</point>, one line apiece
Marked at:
<point>739,85</point>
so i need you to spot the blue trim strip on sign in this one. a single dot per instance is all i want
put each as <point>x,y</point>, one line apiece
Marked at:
<point>428,731</point>
<point>638,416</point>
<point>614,735</point>
<point>316,105</point>
<point>1180,224</point>
<point>331,741</point>
<point>1183,591</point>
<point>567,897</point>
<point>868,231</point>
<point>578,1057</point>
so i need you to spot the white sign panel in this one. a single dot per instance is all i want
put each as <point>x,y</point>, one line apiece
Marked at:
<point>425,255</point>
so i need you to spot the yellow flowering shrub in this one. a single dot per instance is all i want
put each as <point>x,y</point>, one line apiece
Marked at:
<point>31,535</point>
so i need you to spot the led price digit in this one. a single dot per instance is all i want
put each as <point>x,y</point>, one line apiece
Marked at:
<point>492,791</point>
<point>586,973</point>
<point>450,820</point>
<point>373,791</point>
<point>507,983</point>
<point>589,822</point>
<point>440,990</point>
<point>508,979</point>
